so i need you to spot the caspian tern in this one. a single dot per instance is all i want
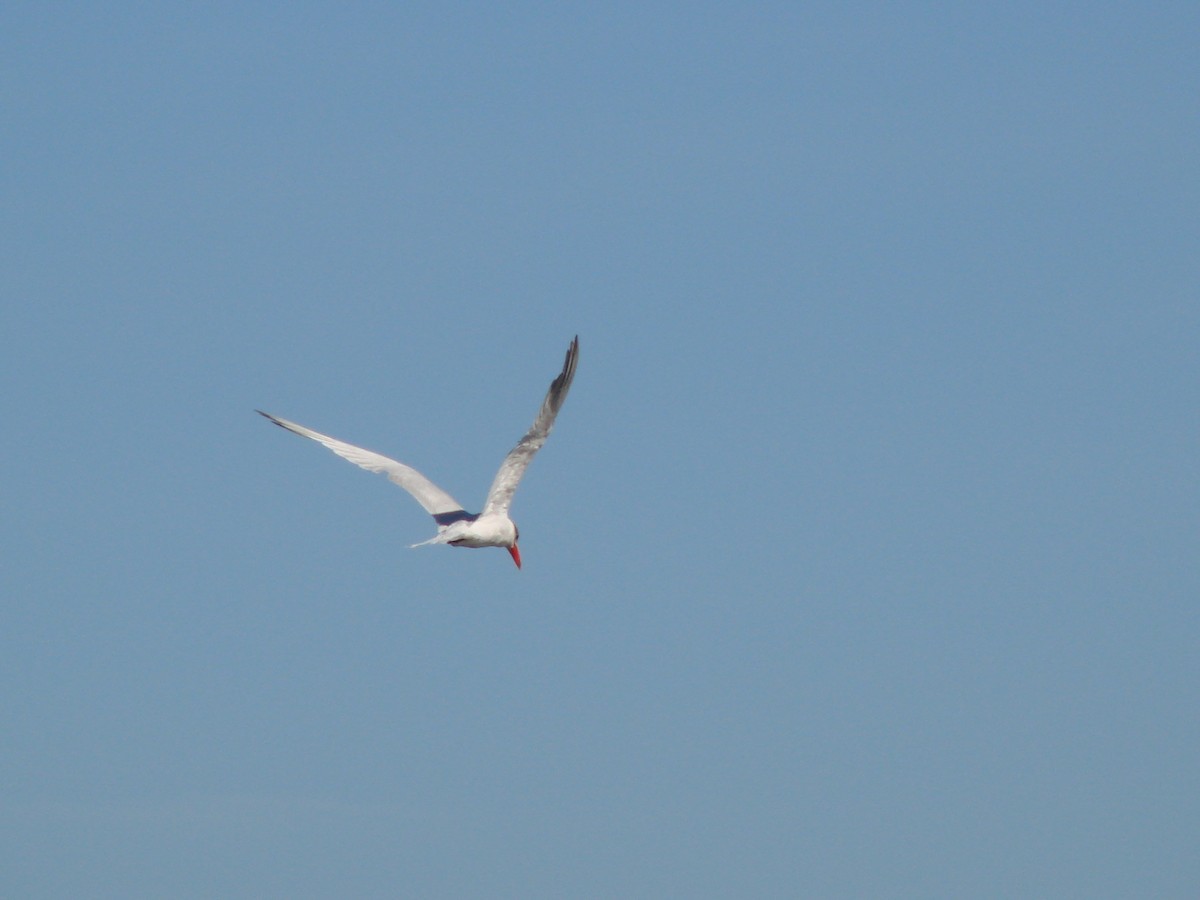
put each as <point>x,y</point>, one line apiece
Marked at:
<point>456,526</point>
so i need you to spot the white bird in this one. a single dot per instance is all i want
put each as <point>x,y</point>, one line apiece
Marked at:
<point>456,526</point>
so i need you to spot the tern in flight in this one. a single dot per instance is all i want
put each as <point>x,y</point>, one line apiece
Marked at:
<point>456,526</point>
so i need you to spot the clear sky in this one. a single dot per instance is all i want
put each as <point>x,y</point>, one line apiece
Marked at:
<point>862,561</point>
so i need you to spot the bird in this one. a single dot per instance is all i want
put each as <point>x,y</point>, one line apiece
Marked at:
<point>490,528</point>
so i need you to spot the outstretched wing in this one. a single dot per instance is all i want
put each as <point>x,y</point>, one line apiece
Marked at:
<point>509,475</point>
<point>437,502</point>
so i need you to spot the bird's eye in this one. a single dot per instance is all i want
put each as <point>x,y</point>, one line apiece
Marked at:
<point>516,532</point>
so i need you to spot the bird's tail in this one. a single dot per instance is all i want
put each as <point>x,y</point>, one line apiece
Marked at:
<point>436,539</point>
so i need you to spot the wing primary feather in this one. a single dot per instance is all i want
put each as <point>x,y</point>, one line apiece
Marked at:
<point>513,468</point>
<point>435,501</point>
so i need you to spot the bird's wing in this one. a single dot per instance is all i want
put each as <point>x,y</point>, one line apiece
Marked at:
<point>509,475</point>
<point>437,502</point>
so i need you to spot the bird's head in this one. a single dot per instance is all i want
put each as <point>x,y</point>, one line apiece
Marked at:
<point>513,551</point>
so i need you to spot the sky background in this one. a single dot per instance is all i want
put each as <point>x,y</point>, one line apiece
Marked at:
<point>862,561</point>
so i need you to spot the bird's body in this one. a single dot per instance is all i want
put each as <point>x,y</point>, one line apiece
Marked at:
<point>495,530</point>
<point>456,526</point>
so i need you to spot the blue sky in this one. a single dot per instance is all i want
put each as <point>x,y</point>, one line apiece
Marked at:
<point>862,560</point>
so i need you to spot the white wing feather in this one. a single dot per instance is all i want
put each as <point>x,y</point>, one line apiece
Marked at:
<point>509,475</point>
<point>435,501</point>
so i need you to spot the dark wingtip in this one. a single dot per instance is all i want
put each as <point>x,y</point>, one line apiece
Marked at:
<point>571,359</point>
<point>562,383</point>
